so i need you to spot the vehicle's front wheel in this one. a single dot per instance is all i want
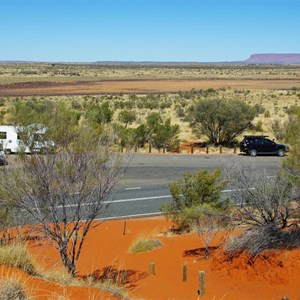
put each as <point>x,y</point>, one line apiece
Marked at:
<point>280,152</point>
<point>252,152</point>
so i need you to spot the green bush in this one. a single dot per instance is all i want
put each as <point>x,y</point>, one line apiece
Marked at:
<point>221,120</point>
<point>192,191</point>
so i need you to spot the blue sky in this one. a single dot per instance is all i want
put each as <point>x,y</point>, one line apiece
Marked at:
<point>145,30</point>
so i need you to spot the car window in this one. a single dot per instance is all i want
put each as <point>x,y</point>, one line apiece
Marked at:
<point>268,142</point>
<point>3,135</point>
<point>258,141</point>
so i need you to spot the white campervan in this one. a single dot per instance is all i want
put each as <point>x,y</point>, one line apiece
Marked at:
<point>12,142</point>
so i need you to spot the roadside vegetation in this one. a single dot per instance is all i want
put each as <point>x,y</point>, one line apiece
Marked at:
<point>64,190</point>
<point>267,207</point>
<point>262,112</point>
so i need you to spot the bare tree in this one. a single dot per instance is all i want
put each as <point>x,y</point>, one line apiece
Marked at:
<point>208,222</point>
<point>264,203</point>
<point>64,193</point>
<point>260,199</point>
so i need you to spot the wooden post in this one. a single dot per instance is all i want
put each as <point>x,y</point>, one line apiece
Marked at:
<point>234,150</point>
<point>122,149</point>
<point>149,148</point>
<point>184,273</point>
<point>124,228</point>
<point>178,149</point>
<point>207,150</point>
<point>135,149</point>
<point>221,149</point>
<point>164,150</point>
<point>201,279</point>
<point>152,268</point>
<point>192,149</point>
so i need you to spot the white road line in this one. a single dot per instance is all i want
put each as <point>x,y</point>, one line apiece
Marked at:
<point>119,201</point>
<point>137,199</point>
<point>133,188</point>
<point>236,190</point>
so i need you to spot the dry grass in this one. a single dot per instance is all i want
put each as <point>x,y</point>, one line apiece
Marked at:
<point>32,72</point>
<point>275,102</point>
<point>16,255</point>
<point>12,288</point>
<point>144,243</point>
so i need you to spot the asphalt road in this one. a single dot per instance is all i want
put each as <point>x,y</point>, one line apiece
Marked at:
<point>144,184</point>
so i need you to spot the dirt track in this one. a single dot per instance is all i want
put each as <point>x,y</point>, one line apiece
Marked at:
<point>137,86</point>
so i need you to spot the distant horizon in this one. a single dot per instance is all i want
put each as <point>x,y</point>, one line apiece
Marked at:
<point>149,31</point>
<point>151,61</point>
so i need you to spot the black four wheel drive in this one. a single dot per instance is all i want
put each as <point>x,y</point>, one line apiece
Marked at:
<point>253,145</point>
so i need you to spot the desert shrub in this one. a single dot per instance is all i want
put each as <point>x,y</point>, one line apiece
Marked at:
<point>264,204</point>
<point>99,114</point>
<point>260,200</point>
<point>126,136</point>
<point>191,194</point>
<point>151,104</point>
<point>140,135</point>
<point>278,129</point>
<point>255,240</point>
<point>165,104</point>
<point>221,120</point>
<point>143,244</point>
<point>160,133</point>
<point>259,109</point>
<point>140,104</point>
<point>30,111</point>
<point>16,255</point>
<point>258,126</point>
<point>129,104</point>
<point>207,221</point>
<point>76,105</point>
<point>12,289</point>
<point>165,135</point>
<point>292,162</point>
<point>180,112</point>
<point>267,114</point>
<point>127,117</point>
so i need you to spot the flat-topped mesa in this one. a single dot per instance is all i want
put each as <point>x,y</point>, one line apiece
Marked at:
<point>273,59</point>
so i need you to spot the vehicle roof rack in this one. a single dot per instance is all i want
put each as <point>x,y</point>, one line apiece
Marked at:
<point>261,136</point>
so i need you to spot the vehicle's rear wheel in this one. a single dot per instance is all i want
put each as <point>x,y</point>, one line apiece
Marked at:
<point>252,152</point>
<point>281,152</point>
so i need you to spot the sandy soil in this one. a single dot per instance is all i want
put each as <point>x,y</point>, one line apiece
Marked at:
<point>271,276</point>
<point>137,86</point>
<point>37,288</point>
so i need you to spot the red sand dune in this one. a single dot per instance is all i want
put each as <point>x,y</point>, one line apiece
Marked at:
<point>271,276</point>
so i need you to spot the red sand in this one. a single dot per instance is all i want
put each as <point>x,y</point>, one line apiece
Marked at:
<point>272,276</point>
